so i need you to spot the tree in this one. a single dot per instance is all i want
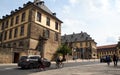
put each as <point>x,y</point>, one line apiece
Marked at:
<point>64,50</point>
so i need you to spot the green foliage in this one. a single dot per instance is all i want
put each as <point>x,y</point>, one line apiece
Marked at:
<point>64,50</point>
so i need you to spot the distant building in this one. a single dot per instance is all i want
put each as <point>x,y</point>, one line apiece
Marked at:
<point>82,45</point>
<point>31,29</point>
<point>108,50</point>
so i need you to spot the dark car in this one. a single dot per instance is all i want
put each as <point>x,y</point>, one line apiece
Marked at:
<point>103,59</point>
<point>32,61</point>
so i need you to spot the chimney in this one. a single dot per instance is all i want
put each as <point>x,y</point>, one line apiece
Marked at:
<point>54,14</point>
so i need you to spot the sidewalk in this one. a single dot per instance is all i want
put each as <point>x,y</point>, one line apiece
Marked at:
<point>79,60</point>
<point>69,61</point>
<point>94,69</point>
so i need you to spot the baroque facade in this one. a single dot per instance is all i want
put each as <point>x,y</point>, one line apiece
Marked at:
<point>81,44</point>
<point>31,29</point>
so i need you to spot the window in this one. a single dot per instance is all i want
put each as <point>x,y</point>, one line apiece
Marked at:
<point>17,19</point>
<point>5,35</point>
<point>6,25</point>
<point>9,45</point>
<point>81,44</point>
<point>15,32</point>
<point>22,31</point>
<point>12,21</point>
<point>46,33</point>
<point>0,36</point>
<point>56,36</point>
<point>23,17</point>
<point>39,16</point>
<point>2,28</point>
<point>10,34</point>
<point>14,45</point>
<point>21,44</point>
<point>56,25</point>
<point>48,21</point>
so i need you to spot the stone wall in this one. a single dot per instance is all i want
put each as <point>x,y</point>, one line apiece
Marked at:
<point>50,46</point>
<point>5,55</point>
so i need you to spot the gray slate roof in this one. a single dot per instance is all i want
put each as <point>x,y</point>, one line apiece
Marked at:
<point>44,7</point>
<point>83,36</point>
<point>40,5</point>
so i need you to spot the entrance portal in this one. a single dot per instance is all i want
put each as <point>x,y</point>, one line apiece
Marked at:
<point>16,57</point>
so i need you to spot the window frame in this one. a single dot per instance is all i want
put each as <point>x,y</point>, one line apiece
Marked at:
<point>48,21</point>
<point>56,25</point>
<point>12,21</point>
<point>15,32</point>
<point>17,19</point>
<point>23,17</point>
<point>10,33</point>
<point>5,35</point>
<point>56,36</point>
<point>39,16</point>
<point>22,30</point>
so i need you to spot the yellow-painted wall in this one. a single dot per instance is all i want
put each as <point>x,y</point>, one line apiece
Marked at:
<point>43,21</point>
<point>25,23</point>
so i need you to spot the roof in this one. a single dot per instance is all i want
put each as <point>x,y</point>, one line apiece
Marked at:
<point>107,46</point>
<point>40,5</point>
<point>83,36</point>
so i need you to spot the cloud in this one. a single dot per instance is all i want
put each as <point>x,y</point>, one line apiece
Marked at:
<point>73,25</point>
<point>73,2</point>
<point>99,18</point>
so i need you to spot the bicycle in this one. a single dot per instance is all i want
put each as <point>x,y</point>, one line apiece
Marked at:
<point>59,65</point>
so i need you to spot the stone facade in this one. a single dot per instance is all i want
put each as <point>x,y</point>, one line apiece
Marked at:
<point>82,45</point>
<point>30,30</point>
<point>5,55</point>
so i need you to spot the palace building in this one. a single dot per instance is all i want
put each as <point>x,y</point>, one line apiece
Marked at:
<point>81,44</point>
<point>28,30</point>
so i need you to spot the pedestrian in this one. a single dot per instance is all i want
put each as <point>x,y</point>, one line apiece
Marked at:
<point>108,60</point>
<point>115,59</point>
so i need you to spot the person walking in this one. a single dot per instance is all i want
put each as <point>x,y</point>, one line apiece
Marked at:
<point>115,59</point>
<point>108,60</point>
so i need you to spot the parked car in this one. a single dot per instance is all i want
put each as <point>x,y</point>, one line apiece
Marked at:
<point>103,59</point>
<point>31,61</point>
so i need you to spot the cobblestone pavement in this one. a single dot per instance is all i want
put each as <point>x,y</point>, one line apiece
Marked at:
<point>94,69</point>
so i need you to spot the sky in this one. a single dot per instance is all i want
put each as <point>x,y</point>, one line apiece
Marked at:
<point>99,18</point>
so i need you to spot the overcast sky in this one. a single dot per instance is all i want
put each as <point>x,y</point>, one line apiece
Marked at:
<point>99,18</point>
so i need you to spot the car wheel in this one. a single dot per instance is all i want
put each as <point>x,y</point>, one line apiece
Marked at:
<point>47,64</point>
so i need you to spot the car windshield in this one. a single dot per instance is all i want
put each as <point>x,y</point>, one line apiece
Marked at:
<point>23,57</point>
<point>35,57</point>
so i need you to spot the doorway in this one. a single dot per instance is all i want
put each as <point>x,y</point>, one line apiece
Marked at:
<point>16,57</point>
